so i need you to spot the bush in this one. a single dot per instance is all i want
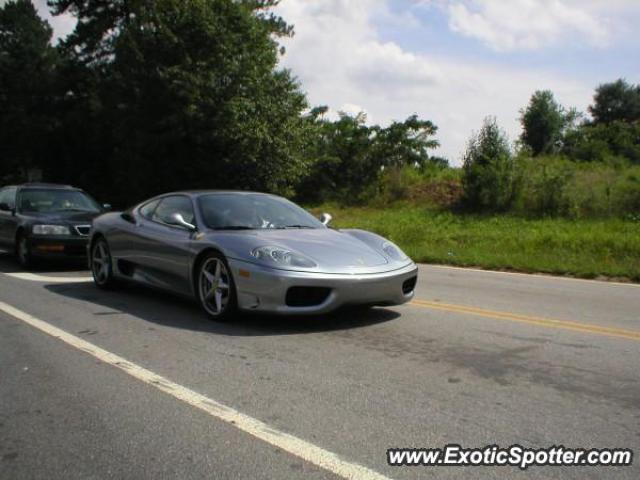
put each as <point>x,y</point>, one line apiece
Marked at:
<point>626,193</point>
<point>588,193</point>
<point>488,178</point>
<point>432,185</point>
<point>397,183</point>
<point>602,142</point>
<point>540,185</point>
<point>557,186</point>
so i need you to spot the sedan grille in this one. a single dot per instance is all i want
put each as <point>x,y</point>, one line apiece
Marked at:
<point>82,230</point>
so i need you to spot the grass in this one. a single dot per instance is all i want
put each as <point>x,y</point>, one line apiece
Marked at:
<point>583,248</point>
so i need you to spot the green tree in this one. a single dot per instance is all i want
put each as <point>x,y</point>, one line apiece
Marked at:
<point>488,169</point>
<point>344,166</point>
<point>81,150</point>
<point>349,156</point>
<point>616,101</point>
<point>604,141</point>
<point>27,76</point>
<point>544,122</point>
<point>405,143</point>
<point>191,93</point>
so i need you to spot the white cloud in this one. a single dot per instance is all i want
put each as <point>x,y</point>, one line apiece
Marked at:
<point>527,24</point>
<point>352,110</point>
<point>340,60</point>
<point>62,25</point>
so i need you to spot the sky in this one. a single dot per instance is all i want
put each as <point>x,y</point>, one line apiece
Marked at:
<point>453,62</point>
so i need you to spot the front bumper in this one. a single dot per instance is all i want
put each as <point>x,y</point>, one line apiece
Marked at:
<point>58,246</point>
<point>263,289</point>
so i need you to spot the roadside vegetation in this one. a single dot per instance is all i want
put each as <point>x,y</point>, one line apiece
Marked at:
<point>565,199</point>
<point>588,248</point>
<point>131,105</point>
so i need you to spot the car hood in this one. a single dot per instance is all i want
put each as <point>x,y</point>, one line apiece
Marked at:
<point>62,217</point>
<point>334,251</point>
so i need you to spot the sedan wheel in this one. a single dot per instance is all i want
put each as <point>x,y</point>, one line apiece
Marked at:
<point>101,267</point>
<point>24,252</point>
<point>216,290</point>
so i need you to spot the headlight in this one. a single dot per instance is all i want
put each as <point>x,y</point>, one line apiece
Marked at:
<point>283,256</point>
<point>51,230</point>
<point>393,251</point>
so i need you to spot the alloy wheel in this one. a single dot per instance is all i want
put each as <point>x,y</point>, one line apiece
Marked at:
<point>101,263</point>
<point>215,286</point>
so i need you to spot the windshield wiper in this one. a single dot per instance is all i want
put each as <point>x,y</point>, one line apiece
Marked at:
<point>297,226</point>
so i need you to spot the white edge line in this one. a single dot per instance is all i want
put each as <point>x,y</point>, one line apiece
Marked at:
<point>534,275</point>
<point>32,277</point>
<point>258,429</point>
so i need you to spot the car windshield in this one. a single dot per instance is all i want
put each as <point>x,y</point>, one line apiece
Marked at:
<point>229,211</point>
<point>46,201</point>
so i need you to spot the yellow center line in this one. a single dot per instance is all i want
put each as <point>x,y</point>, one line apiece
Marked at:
<point>544,322</point>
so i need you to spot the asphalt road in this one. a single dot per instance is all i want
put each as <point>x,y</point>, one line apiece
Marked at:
<point>479,358</point>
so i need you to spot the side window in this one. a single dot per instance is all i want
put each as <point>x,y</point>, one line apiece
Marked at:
<point>148,208</point>
<point>8,196</point>
<point>12,197</point>
<point>170,205</point>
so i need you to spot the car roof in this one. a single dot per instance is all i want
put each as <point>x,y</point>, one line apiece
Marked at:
<point>52,186</point>
<point>197,193</point>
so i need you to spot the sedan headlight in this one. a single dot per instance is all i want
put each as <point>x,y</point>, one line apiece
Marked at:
<point>393,251</point>
<point>282,256</point>
<point>51,230</point>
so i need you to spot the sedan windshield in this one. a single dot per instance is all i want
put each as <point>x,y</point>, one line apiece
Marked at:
<point>240,211</point>
<point>47,201</point>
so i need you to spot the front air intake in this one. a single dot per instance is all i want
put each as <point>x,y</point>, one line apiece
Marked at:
<point>408,285</point>
<point>306,296</point>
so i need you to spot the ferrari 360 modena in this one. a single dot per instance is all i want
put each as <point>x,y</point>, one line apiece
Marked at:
<point>249,251</point>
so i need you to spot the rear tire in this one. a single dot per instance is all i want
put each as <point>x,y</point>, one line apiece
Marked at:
<point>215,288</point>
<point>23,251</point>
<point>102,265</point>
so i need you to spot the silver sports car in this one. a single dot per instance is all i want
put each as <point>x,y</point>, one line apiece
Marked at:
<point>248,251</point>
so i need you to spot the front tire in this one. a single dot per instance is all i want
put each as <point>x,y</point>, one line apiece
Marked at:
<point>102,264</point>
<point>216,290</point>
<point>23,251</point>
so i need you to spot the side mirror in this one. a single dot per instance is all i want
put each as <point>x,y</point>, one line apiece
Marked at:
<point>178,219</point>
<point>326,218</point>
<point>128,217</point>
<point>4,207</point>
<point>107,207</point>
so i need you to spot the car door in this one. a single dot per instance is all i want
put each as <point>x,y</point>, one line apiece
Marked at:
<point>162,250</point>
<point>130,242</point>
<point>8,219</point>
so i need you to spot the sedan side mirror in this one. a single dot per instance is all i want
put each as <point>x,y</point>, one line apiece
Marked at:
<point>177,219</point>
<point>326,218</point>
